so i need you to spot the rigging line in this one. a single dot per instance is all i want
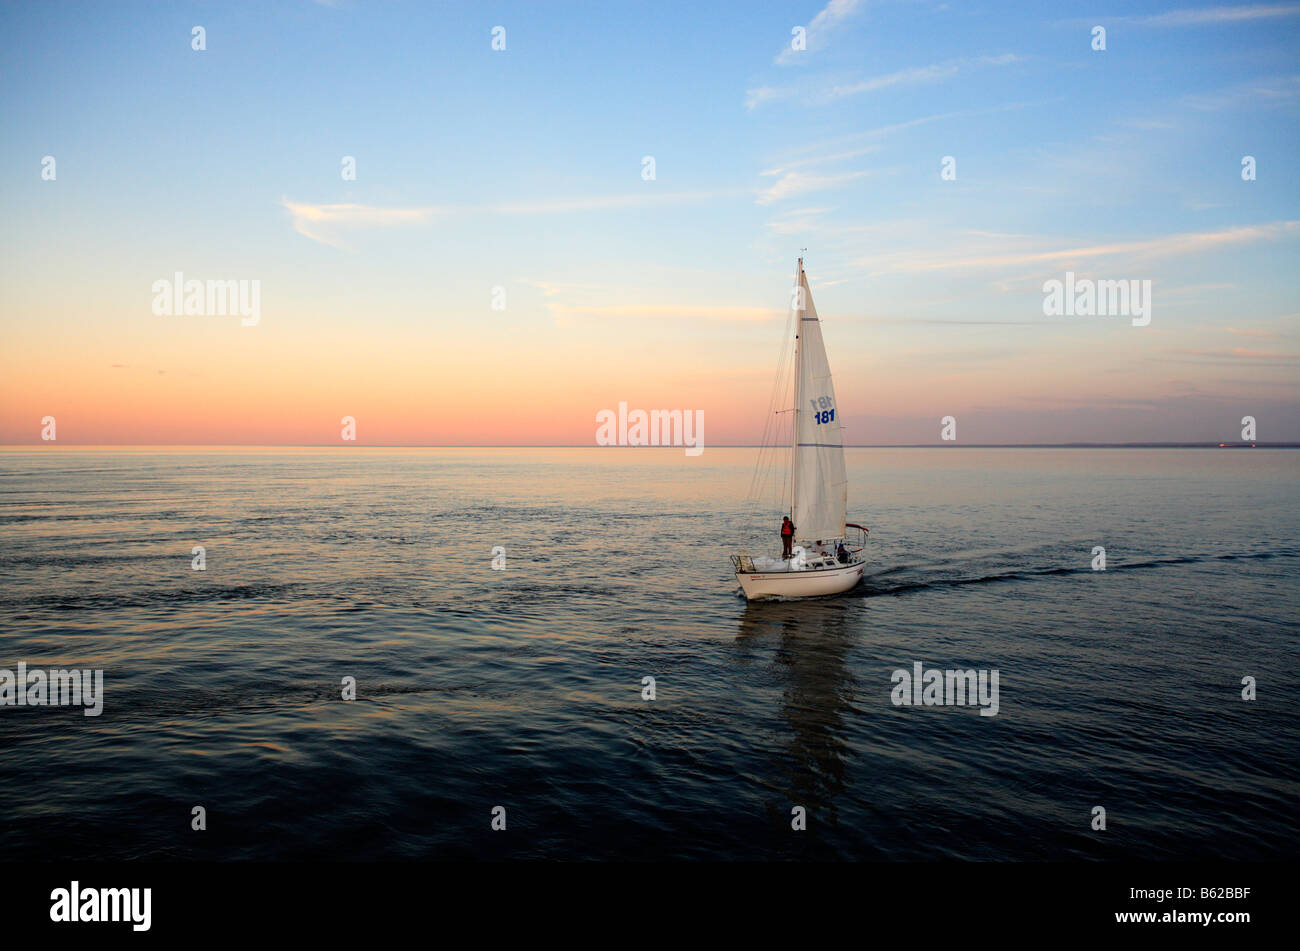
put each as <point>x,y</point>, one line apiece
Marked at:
<point>769,451</point>
<point>770,421</point>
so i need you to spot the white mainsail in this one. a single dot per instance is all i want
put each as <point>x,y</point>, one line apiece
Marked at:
<point>820,488</point>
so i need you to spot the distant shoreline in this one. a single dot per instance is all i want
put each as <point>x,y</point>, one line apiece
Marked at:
<point>1063,445</point>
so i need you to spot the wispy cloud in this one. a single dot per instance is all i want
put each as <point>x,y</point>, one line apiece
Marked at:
<point>801,156</point>
<point>1241,353</point>
<point>549,206</point>
<point>315,221</point>
<point>1194,290</point>
<point>820,29</point>
<point>669,311</point>
<point>1165,246</point>
<point>829,92</point>
<point>1150,125</point>
<point>324,222</point>
<point>1197,16</point>
<point>797,221</point>
<point>571,303</point>
<point>760,94</point>
<point>820,160</point>
<point>556,288</point>
<point>1218,15</point>
<point>903,77</point>
<point>1271,92</point>
<point>800,183</point>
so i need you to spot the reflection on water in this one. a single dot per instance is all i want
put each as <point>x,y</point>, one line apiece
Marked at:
<point>816,698</point>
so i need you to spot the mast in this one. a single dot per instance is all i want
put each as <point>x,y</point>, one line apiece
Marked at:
<point>798,391</point>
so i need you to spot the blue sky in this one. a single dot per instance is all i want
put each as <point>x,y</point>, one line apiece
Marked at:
<point>522,169</point>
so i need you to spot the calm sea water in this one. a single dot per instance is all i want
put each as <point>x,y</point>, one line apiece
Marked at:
<point>522,687</point>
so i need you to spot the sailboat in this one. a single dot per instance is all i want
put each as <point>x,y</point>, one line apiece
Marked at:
<point>824,560</point>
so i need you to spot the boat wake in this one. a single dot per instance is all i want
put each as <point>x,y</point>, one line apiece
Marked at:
<point>879,584</point>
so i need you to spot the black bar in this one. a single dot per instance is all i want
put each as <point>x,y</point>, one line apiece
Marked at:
<point>950,902</point>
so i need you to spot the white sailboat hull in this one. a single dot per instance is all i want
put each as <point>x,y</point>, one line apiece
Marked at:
<point>809,583</point>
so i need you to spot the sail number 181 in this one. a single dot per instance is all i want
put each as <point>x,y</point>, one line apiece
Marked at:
<point>823,409</point>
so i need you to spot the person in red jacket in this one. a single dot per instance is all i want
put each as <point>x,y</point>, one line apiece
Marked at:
<point>787,536</point>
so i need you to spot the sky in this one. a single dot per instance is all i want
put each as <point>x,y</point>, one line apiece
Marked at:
<point>503,266</point>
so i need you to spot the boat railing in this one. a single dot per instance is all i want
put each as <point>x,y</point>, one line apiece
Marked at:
<point>855,536</point>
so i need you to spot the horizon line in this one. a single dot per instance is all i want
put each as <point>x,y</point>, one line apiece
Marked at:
<point>940,445</point>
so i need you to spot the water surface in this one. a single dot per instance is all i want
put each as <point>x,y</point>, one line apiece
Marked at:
<point>523,687</point>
